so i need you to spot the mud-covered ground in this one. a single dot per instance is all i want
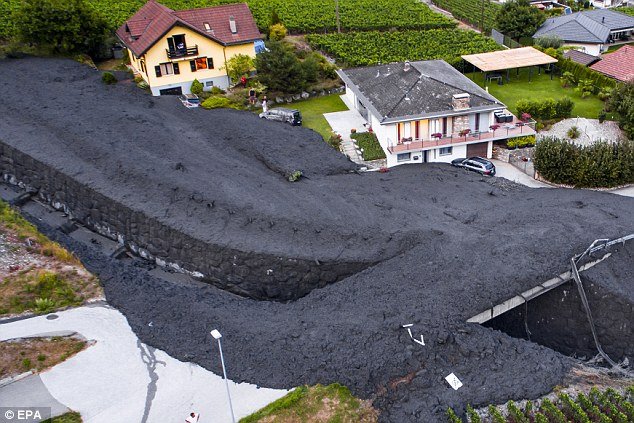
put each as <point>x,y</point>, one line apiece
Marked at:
<point>449,244</point>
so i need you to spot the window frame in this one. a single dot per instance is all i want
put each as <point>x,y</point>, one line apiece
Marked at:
<point>448,153</point>
<point>401,160</point>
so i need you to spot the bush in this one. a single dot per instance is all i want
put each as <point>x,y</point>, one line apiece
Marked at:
<point>295,176</point>
<point>549,41</point>
<point>580,72</point>
<point>573,133</point>
<point>622,102</point>
<point>108,78</point>
<point>369,143</point>
<point>545,109</point>
<point>217,91</point>
<point>334,141</point>
<point>599,165</point>
<point>277,32</point>
<point>568,79</point>
<point>585,88</point>
<point>197,87</point>
<point>216,102</point>
<point>521,142</point>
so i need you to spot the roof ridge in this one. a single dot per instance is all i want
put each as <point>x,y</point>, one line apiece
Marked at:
<point>404,95</point>
<point>458,88</point>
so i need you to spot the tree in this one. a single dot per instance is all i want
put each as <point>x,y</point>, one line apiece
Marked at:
<point>277,32</point>
<point>197,87</point>
<point>238,66</point>
<point>63,26</point>
<point>280,69</point>
<point>622,102</point>
<point>518,19</point>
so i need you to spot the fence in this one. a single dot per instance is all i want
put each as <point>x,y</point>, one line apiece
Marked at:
<point>504,40</point>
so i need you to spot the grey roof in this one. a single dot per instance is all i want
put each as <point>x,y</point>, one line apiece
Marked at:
<point>425,90</point>
<point>580,57</point>
<point>591,26</point>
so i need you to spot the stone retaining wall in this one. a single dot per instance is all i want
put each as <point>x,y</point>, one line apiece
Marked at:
<point>258,276</point>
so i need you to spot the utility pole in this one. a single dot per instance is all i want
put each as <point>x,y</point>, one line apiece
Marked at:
<point>337,15</point>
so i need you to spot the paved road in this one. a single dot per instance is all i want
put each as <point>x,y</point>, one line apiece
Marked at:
<point>119,379</point>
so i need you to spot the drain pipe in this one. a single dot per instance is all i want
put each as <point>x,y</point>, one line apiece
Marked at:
<point>597,245</point>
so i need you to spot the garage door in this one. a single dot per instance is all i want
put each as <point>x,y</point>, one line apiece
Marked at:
<point>477,149</point>
<point>172,91</point>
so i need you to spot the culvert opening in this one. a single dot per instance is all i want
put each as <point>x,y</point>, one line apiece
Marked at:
<point>557,320</point>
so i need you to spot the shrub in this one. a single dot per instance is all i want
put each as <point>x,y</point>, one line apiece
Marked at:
<point>602,164</point>
<point>238,66</point>
<point>585,88</point>
<point>573,133</point>
<point>108,78</point>
<point>601,116</point>
<point>295,176</point>
<point>622,102</point>
<point>369,143</point>
<point>549,41</point>
<point>197,87</point>
<point>545,109</point>
<point>26,364</point>
<point>521,142</point>
<point>335,141</point>
<point>216,102</point>
<point>605,93</point>
<point>568,79</point>
<point>217,91</point>
<point>277,32</point>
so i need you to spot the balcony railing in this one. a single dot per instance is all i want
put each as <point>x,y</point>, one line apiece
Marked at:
<point>182,52</point>
<point>506,130</point>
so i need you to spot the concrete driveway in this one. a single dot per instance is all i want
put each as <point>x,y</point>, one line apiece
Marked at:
<point>120,379</point>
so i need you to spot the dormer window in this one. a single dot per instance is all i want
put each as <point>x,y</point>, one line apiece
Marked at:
<point>207,26</point>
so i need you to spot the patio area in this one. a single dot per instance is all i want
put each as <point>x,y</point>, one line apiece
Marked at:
<point>342,123</point>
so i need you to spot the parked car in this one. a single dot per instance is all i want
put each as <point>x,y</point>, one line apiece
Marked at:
<point>189,100</point>
<point>477,164</point>
<point>280,114</point>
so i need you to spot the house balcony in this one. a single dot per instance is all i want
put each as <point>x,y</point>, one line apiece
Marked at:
<point>514,129</point>
<point>182,52</point>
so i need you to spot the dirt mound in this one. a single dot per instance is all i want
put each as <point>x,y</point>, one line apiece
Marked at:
<point>441,244</point>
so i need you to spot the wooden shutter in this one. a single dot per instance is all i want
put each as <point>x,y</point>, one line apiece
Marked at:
<point>192,64</point>
<point>157,69</point>
<point>176,69</point>
<point>210,63</point>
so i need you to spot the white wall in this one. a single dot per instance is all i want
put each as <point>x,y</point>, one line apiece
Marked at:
<point>458,151</point>
<point>593,49</point>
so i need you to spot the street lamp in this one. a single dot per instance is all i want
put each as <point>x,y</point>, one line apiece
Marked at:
<point>217,337</point>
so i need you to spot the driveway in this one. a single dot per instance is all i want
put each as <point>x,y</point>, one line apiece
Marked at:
<point>120,379</point>
<point>342,123</point>
<point>510,172</point>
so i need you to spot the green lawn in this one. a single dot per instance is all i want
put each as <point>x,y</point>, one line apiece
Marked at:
<point>540,87</point>
<point>313,112</point>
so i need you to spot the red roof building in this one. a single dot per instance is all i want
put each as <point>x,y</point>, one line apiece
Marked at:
<point>618,65</point>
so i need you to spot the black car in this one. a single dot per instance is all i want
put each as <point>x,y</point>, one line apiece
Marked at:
<point>292,116</point>
<point>477,164</point>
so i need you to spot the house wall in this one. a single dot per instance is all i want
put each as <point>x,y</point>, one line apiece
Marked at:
<point>593,49</point>
<point>206,48</point>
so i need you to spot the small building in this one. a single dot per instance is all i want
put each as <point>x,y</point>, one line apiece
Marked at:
<point>580,57</point>
<point>169,49</point>
<point>592,31</point>
<point>618,65</point>
<point>427,111</point>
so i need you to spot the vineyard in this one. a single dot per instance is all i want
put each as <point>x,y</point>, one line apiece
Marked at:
<point>299,16</point>
<point>471,11</point>
<point>371,48</point>
<point>626,10</point>
<point>595,407</point>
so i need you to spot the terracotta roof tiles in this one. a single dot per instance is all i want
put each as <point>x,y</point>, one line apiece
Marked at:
<point>618,65</point>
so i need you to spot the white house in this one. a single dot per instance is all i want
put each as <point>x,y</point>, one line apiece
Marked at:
<point>428,111</point>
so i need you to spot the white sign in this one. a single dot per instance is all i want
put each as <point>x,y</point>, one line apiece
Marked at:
<point>453,381</point>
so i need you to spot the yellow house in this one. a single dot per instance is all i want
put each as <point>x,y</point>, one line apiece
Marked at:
<point>169,49</point>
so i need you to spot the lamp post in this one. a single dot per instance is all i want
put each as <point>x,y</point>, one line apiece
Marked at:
<point>217,337</point>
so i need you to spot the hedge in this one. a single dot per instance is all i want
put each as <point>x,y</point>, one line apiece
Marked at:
<point>581,72</point>
<point>600,165</point>
<point>367,141</point>
<point>546,109</point>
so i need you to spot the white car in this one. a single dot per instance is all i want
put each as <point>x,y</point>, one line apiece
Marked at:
<point>189,100</point>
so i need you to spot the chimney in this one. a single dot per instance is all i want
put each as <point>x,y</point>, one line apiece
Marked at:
<point>407,66</point>
<point>461,101</point>
<point>603,19</point>
<point>232,25</point>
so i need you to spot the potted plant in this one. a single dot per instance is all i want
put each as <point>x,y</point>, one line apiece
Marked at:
<point>464,133</point>
<point>436,135</point>
<point>526,117</point>
<point>494,127</point>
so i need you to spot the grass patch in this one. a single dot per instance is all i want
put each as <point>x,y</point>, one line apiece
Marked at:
<point>540,88</point>
<point>368,142</point>
<point>313,112</point>
<point>332,403</point>
<point>12,221</point>
<point>36,354</point>
<point>71,417</point>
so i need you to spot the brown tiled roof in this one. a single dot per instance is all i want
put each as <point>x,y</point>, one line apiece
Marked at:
<point>153,20</point>
<point>580,57</point>
<point>619,65</point>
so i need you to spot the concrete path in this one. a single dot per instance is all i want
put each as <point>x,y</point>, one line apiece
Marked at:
<point>510,172</point>
<point>30,392</point>
<point>342,123</point>
<point>120,379</point>
<point>626,192</point>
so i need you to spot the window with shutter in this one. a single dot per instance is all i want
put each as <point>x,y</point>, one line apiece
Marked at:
<point>176,69</point>
<point>210,63</point>
<point>157,69</point>
<point>192,64</point>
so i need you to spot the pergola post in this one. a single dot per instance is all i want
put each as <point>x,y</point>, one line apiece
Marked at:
<point>530,72</point>
<point>508,71</point>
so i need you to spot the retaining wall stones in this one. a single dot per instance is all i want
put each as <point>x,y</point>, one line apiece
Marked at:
<point>558,320</point>
<point>257,276</point>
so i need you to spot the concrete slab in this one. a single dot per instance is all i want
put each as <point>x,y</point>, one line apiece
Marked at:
<point>121,379</point>
<point>510,172</point>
